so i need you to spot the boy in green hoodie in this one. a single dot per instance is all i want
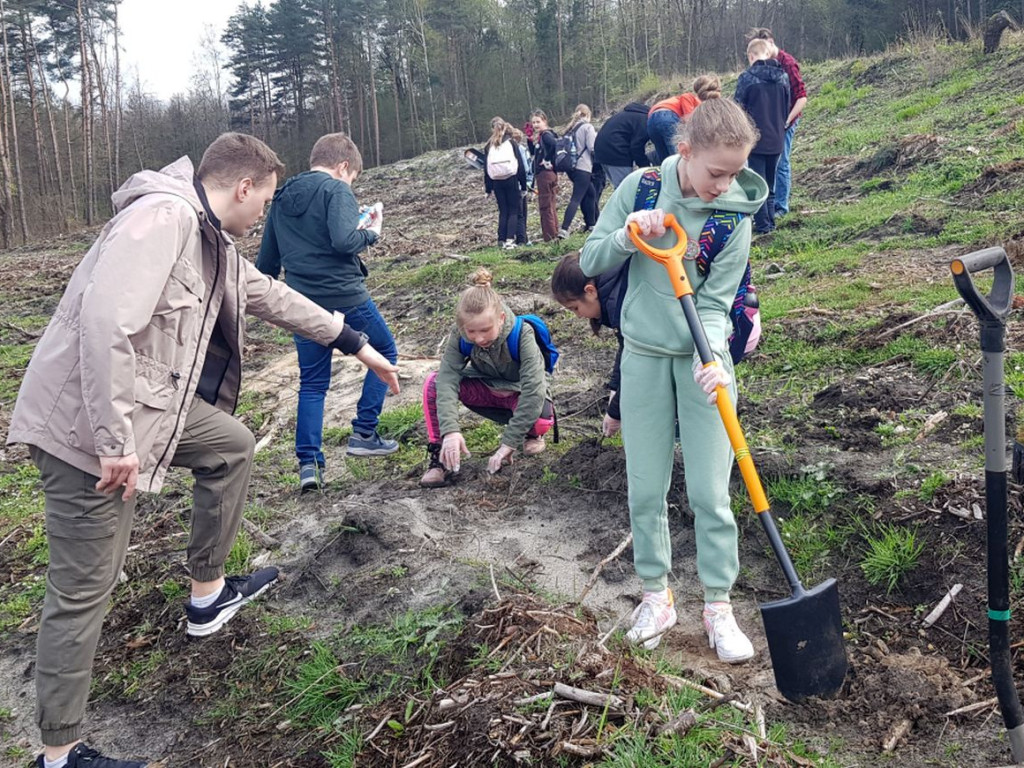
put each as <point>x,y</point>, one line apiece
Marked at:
<point>661,375</point>
<point>313,232</point>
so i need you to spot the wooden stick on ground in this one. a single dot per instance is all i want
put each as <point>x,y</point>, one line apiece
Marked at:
<point>941,606</point>
<point>682,682</point>
<point>974,707</point>
<point>896,734</point>
<point>588,697</point>
<point>600,566</point>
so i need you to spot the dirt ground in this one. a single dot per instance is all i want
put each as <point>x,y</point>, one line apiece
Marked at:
<point>334,547</point>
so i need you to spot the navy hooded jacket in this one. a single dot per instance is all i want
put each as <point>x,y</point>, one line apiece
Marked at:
<point>311,233</point>
<point>763,90</point>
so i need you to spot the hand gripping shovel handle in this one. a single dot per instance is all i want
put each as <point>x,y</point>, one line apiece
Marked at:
<point>672,260</point>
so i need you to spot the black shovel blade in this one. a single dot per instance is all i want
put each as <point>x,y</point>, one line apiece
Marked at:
<point>805,640</point>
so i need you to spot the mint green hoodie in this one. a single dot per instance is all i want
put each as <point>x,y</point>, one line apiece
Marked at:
<point>652,320</point>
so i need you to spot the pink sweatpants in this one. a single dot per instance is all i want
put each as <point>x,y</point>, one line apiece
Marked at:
<point>479,398</point>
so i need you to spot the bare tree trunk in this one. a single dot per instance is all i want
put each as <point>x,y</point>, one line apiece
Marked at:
<point>421,22</point>
<point>370,55</point>
<point>45,169</point>
<point>561,68</point>
<point>6,178</point>
<point>87,126</point>
<point>65,108</point>
<point>396,76</point>
<point>101,84</point>
<point>9,80</point>
<point>54,146</point>
<point>117,97</point>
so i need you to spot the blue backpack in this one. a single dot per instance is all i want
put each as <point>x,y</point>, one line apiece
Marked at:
<point>540,332</point>
<point>745,313</point>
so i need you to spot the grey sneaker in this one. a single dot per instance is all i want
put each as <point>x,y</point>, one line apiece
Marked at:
<point>311,477</point>
<point>563,233</point>
<point>370,445</point>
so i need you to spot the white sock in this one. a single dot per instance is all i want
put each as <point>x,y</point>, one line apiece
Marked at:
<point>207,601</point>
<point>60,762</point>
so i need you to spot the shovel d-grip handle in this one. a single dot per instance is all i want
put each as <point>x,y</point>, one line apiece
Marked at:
<point>991,310</point>
<point>672,260</point>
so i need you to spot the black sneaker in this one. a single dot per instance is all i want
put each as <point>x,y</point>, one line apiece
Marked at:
<point>238,590</point>
<point>82,756</point>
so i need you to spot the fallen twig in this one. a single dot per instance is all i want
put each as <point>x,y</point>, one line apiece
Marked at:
<point>943,604</point>
<point>679,725</point>
<point>600,566</point>
<point>592,698</point>
<point>494,584</point>
<point>942,309</point>
<point>681,682</point>
<point>896,734</point>
<point>974,707</point>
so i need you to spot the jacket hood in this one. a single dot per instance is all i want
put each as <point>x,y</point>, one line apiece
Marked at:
<point>636,106</point>
<point>769,71</point>
<point>298,192</point>
<point>174,179</point>
<point>746,194</point>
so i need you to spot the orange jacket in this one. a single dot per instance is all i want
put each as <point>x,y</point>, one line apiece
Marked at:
<point>682,105</point>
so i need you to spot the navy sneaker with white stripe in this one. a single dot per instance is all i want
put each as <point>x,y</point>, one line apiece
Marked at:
<point>82,756</point>
<point>237,591</point>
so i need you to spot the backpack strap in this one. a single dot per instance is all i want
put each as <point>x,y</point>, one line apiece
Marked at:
<point>648,189</point>
<point>513,338</point>
<point>713,238</point>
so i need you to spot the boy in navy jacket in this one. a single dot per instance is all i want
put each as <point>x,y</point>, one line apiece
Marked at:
<point>763,91</point>
<point>313,232</point>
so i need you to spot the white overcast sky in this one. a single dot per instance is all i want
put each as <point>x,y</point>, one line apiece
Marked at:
<point>161,38</point>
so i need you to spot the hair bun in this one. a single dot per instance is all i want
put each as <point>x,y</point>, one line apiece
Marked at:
<point>482,277</point>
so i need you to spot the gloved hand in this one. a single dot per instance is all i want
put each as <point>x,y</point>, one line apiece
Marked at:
<point>709,378</point>
<point>453,448</point>
<point>499,458</point>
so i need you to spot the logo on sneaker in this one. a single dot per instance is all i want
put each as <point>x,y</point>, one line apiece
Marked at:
<point>236,599</point>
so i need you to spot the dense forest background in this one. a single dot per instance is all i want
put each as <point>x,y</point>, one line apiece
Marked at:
<point>401,76</point>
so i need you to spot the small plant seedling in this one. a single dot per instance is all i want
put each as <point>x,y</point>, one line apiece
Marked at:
<point>892,554</point>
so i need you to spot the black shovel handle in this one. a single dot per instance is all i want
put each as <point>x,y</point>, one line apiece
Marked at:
<point>993,309</point>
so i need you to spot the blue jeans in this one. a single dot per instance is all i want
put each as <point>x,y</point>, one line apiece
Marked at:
<point>315,378</point>
<point>782,173</point>
<point>661,127</point>
<point>764,166</point>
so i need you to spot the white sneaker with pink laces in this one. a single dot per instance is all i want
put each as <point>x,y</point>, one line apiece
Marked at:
<point>652,618</point>
<point>724,635</point>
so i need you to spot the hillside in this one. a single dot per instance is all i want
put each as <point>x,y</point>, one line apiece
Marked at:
<point>862,405</point>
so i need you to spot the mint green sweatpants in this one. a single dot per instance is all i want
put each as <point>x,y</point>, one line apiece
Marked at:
<point>655,391</point>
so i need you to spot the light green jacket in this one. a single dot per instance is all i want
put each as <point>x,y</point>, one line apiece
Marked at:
<point>652,320</point>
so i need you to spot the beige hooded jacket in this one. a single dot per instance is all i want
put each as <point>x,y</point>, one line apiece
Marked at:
<point>118,365</point>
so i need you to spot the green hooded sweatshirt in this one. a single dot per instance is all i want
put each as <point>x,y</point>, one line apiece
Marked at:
<point>496,367</point>
<point>652,320</point>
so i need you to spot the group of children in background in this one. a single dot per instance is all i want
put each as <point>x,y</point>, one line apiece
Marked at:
<point>716,155</point>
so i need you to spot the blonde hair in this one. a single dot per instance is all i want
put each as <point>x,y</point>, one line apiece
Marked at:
<point>581,114</point>
<point>499,128</point>
<point>517,136</point>
<point>541,114</point>
<point>707,87</point>
<point>759,48</point>
<point>478,299</point>
<point>718,123</point>
<point>236,156</point>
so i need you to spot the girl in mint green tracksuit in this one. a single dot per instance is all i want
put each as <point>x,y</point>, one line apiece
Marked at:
<point>662,378</point>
